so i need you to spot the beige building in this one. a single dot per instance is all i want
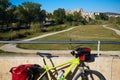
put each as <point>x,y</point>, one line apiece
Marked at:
<point>86,15</point>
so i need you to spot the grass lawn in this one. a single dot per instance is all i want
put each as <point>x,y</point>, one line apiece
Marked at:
<point>86,33</point>
<point>80,33</point>
<point>115,26</point>
<point>1,45</point>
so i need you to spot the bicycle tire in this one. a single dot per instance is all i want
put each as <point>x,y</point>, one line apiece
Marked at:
<point>89,75</point>
<point>43,78</point>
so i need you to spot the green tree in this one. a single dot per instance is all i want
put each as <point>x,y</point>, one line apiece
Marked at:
<point>49,15</point>
<point>118,20</point>
<point>42,16</point>
<point>112,19</point>
<point>10,14</point>
<point>4,8</point>
<point>4,4</point>
<point>69,17</point>
<point>22,14</point>
<point>59,16</point>
<point>78,18</point>
<point>101,16</point>
<point>30,12</point>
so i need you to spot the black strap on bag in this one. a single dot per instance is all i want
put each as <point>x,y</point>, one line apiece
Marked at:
<point>35,71</point>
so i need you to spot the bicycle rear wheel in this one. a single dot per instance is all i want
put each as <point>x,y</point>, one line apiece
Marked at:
<point>89,75</point>
<point>43,78</point>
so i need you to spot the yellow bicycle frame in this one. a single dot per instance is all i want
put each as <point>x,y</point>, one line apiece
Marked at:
<point>72,64</point>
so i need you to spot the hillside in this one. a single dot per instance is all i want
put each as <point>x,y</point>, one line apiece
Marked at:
<point>111,13</point>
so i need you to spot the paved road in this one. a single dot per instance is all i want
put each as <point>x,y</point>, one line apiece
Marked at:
<point>13,48</point>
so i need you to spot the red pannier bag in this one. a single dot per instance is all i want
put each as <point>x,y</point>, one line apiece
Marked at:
<point>25,71</point>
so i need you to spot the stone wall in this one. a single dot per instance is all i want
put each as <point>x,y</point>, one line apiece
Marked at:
<point>108,66</point>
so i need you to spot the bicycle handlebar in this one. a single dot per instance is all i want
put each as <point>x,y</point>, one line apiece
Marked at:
<point>74,53</point>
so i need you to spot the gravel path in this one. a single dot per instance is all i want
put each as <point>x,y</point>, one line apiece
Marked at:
<point>49,34</point>
<point>116,31</point>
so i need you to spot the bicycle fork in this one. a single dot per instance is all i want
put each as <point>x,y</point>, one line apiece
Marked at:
<point>83,73</point>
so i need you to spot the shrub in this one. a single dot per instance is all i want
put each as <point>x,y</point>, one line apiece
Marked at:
<point>14,35</point>
<point>36,27</point>
<point>22,33</point>
<point>68,23</point>
<point>75,23</point>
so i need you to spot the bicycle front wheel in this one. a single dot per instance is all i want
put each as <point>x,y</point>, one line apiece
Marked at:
<point>89,75</point>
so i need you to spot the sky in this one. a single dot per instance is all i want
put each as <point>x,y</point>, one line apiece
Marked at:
<point>86,5</point>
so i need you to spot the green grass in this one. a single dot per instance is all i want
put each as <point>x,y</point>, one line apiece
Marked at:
<point>80,33</point>
<point>1,45</point>
<point>86,33</point>
<point>1,52</point>
<point>115,26</point>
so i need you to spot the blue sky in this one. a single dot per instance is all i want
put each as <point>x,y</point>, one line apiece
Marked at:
<point>87,5</point>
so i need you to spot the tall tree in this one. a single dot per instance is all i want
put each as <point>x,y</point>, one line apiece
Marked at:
<point>69,17</point>
<point>4,4</point>
<point>30,12</point>
<point>118,20</point>
<point>10,14</point>
<point>59,15</point>
<point>22,14</point>
<point>101,16</point>
<point>4,8</point>
<point>42,15</point>
<point>49,15</point>
<point>77,17</point>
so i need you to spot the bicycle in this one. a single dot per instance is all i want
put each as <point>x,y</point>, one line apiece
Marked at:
<point>81,56</point>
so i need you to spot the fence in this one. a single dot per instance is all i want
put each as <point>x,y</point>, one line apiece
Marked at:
<point>59,42</point>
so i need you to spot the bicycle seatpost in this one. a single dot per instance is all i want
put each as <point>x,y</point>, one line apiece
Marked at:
<point>40,54</point>
<point>44,60</point>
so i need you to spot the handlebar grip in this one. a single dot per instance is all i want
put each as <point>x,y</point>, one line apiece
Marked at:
<point>73,53</point>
